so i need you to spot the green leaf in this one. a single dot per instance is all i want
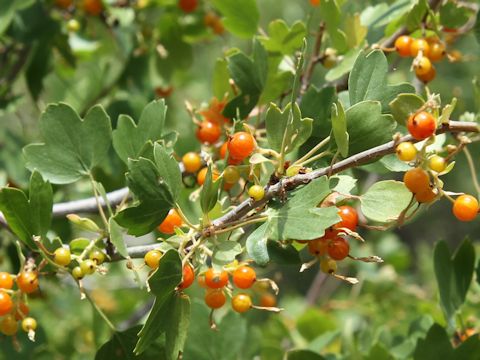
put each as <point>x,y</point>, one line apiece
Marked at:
<point>78,245</point>
<point>469,349</point>
<point>130,138</point>
<point>316,104</point>
<point>299,218</point>
<point>416,14</point>
<point>221,77</point>
<point>209,193</point>
<point>344,66</point>
<point>463,262</point>
<point>385,200</point>
<point>331,14</point>
<point>226,252</point>
<point>339,128</point>
<point>162,284</point>
<point>282,39</point>
<point>355,32</point>
<point>367,126</point>
<point>404,105</point>
<point>435,346</point>
<point>7,13</point>
<point>72,146</point>
<point>241,18</point>
<point>176,333</point>
<point>287,124</point>
<point>256,245</point>
<point>28,217</point>
<point>116,237</point>
<point>368,80</point>
<point>453,15</point>
<point>283,254</point>
<point>142,218</point>
<point>168,170</point>
<point>303,355</point>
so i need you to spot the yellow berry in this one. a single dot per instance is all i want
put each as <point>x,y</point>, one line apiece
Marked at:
<point>406,151</point>
<point>256,192</point>
<point>437,163</point>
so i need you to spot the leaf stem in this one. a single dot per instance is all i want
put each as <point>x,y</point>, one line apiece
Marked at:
<point>308,155</point>
<point>97,199</point>
<point>185,219</point>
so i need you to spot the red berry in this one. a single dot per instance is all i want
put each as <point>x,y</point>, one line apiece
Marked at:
<point>208,132</point>
<point>170,222</point>
<point>188,277</point>
<point>338,248</point>
<point>216,279</point>
<point>241,145</point>
<point>465,208</point>
<point>244,277</point>
<point>349,217</point>
<point>421,125</point>
<point>188,5</point>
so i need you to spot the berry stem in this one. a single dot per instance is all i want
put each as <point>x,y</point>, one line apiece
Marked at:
<point>185,219</point>
<point>101,313</point>
<point>97,199</point>
<point>304,158</point>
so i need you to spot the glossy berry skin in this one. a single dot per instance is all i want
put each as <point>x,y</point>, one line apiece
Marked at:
<point>88,267</point>
<point>208,132</point>
<point>241,145</point>
<point>192,162</point>
<point>244,277</point>
<point>425,196</point>
<point>6,281</point>
<point>6,303</point>
<point>406,151</point>
<point>170,222</point>
<point>429,76</point>
<point>216,279</point>
<point>231,175</point>
<point>8,325</point>
<point>422,66</point>
<point>97,256</point>
<point>62,256</point>
<point>29,324</point>
<point>402,45</point>
<point>152,258</point>
<point>437,163</point>
<point>328,266</point>
<point>465,208</point>
<point>202,174</point>
<point>223,150</point>
<point>349,217</point>
<point>416,180</point>
<point>188,6</point>
<point>188,277</point>
<point>418,45</point>
<point>437,51</point>
<point>77,273</point>
<point>21,311</point>
<point>318,247</point>
<point>93,7</point>
<point>268,300</point>
<point>338,249</point>
<point>215,299</point>
<point>27,281</point>
<point>422,125</point>
<point>256,192</point>
<point>241,303</point>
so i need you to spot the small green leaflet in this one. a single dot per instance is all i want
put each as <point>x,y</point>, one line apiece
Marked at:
<point>282,39</point>
<point>72,146</point>
<point>241,18</point>
<point>404,105</point>
<point>339,128</point>
<point>210,190</point>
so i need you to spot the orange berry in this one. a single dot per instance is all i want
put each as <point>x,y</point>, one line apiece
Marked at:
<point>422,66</point>
<point>241,145</point>
<point>223,150</point>
<point>244,277</point>
<point>6,303</point>
<point>241,303</point>
<point>425,196</point>
<point>402,45</point>
<point>216,279</point>
<point>349,218</point>
<point>418,45</point>
<point>64,4</point>
<point>170,222</point>
<point>421,125</point>
<point>202,174</point>
<point>6,281</point>
<point>27,281</point>
<point>268,300</point>
<point>318,246</point>
<point>215,299</point>
<point>188,277</point>
<point>8,325</point>
<point>314,2</point>
<point>416,180</point>
<point>429,76</point>
<point>338,248</point>
<point>192,162</point>
<point>92,7</point>
<point>437,51</point>
<point>208,132</point>
<point>465,208</point>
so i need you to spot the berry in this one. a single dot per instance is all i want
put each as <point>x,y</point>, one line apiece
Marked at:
<point>97,256</point>
<point>418,45</point>
<point>29,324</point>
<point>216,279</point>
<point>88,267</point>
<point>188,277</point>
<point>416,180</point>
<point>241,145</point>
<point>6,281</point>
<point>256,192</point>
<point>9,325</point>
<point>244,277</point>
<point>406,151</point>
<point>402,45</point>
<point>437,51</point>
<point>231,175</point>
<point>268,300</point>
<point>328,266</point>
<point>201,281</point>
<point>188,5</point>
<point>93,7</point>
<point>318,246</point>
<point>73,25</point>
<point>330,58</point>
<point>241,303</point>
<point>349,218</point>
<point>170,222</point>
<point>77,273</point>
<point>223,150</point>
<point>314,2</point>
<point>6,303</point>
<point>62,256</point>
<point>215,299</point>
<point>293,170</point>
<point>64,4</point>
<point>192,162</point>
<point>338,248</point>
<point>152,258</point>
<point>437,163</point>
<point>421,125</point>
<point>465,208</point>
<point>429,76</point>
<point>208,132</point>
<point>422,66</point>
<point>425,196</point>
<point>21,311</point>
<point>202,174</point>
<point>27,281</point>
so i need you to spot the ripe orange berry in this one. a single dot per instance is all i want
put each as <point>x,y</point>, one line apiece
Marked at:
<point>170,222</point>
<point>64,4</point>
<point>152,258</point>
<point>192,162</point>
<point>406,151</point>
<point>208,132</point>
<point>27,281</point>
<point>422,66</point>
<point>6,281</point>
<point>241,145</point>
<point>421,125</point>
<point>349,218</point>
<point>314,2</point>
<point>6,303</point>
<point>241,303</point>
<point>429,76</point>
<point>188,5</point>
<point>338,248</point>
<point>328,266</point>
<point>8,325</point>
<point>223,150</point>
<point>416,180</point>
<point>215,299</point>
<point>465,208</point>
<point>268,300</point>
<point>244,277</point>
<point>218,27</point>
<point>318,246</point>
<point>188,277</point>
<point>202,174</point>
<point>21,311</point>
<point>418,45</point>
<point>402,45</point>
<point>216,279</point>
<point>93,7</point>
<point>425,196</point>
<point>437,51</point>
